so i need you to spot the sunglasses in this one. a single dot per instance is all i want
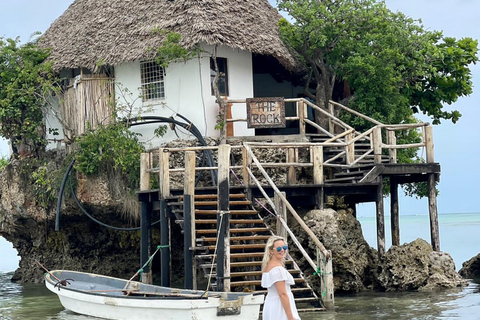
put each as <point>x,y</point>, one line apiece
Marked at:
<point>280,248</point>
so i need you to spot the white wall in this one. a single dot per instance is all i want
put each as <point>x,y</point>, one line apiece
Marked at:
<point>188,92</point>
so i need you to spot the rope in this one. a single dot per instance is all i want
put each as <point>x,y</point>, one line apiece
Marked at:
<point>213,258</point>
<point>320,273</point>
<point>256,200</point>
<point>140,271</point>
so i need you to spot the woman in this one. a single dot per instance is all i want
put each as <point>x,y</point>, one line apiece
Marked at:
<point>279,303</point>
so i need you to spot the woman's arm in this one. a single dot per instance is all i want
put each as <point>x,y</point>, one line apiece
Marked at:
<point>282,293</point>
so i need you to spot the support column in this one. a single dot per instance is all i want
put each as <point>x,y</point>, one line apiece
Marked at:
<point>282,213</point>
<point>394,213</point>
<point>164,192</point>
<point>189,221</point>
<point>380,220</point>
<point>318,177</point>
<point>223,219</point>
<point>432,208</point>
<point>145,218</point>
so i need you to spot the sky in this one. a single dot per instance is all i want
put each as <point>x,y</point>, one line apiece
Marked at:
<point>457,146</point>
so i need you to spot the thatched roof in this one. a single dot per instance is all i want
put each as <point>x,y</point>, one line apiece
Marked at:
<point>116,31</point>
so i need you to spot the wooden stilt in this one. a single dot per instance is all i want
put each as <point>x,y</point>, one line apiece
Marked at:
<point>164,191</point>
<point>432,208</point>
<point>380,221</point>
<point>145,219</point>
<point>394,213</point>
<point>189,220</point>
<point>223,219</point>
<point>281,214</point>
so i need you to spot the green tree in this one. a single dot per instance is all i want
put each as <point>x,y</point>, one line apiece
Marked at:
<point>393,66</point>
<point>25,79</point>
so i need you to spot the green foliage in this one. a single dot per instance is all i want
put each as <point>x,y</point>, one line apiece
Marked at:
<point>25,79</point>
<point>160,131</point>
<point>4,161</point>
<point>171,50</point>
<point>110,146</point>
<point>43,186</point>
<point>394,66</point>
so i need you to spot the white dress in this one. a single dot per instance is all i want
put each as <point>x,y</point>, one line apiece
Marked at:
<point>272,308</point>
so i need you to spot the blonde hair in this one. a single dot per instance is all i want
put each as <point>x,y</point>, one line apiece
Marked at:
<point>267,256</point>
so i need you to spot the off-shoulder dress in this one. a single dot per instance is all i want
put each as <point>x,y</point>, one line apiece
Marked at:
<point>272,308</point>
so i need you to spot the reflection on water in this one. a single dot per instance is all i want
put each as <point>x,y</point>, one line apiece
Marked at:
<point>35,302</point>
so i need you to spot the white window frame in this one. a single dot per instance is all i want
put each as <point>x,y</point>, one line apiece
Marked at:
<point>152,81</point>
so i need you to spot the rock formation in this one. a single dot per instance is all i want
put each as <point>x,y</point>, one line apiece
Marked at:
<point>471,268</point>
<point>82,244</point>
<point>356,266</point>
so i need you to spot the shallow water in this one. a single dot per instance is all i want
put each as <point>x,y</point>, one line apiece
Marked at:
<point>458,235</point>
<point>35,302</point>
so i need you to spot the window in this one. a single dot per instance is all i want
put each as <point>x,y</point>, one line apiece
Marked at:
<point>153,81</point>
<point>223,76</point>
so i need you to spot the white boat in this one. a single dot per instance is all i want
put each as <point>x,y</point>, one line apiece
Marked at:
<point>113,298</point>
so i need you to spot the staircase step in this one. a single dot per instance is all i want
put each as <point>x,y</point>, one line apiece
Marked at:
<point>215,196</point>
<point>258,282</point>
<point>232,212</point>
<point>214,221</point>
<point>214,203</point>
<point>234,255</point>
<point>233,231</point>
<point>311,309</point>
<point>243,246</point>
<point>257,273</point>
<point>242,238</point>
<point>306,299</point>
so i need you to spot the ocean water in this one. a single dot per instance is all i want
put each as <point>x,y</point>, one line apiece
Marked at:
<point>459,236</point>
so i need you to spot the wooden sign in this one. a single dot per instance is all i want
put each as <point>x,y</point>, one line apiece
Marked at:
<point>265,113</point>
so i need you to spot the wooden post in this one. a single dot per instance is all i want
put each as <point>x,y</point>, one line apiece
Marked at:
<point>377,144</point>
<point>350,148</point>
<point>247,163</point>
<point>281,209</point>
<point>223,219</point>
<point>302,114</point>
<point>380,220</point>
<point>189,221</point>
<point>394,213</point>
<point>428,136</point>
<point>432,208</point>
<point>164,192</point>
<point>392,140</point>
<point>327,286</point>
<point>318,177</point>
<point>145,218</point>
<point>230,132</point>
<point>291,158</point>
<point>331,125</point>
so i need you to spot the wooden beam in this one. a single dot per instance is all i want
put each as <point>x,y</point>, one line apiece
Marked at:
<point>145,218</point>
<point>291,158</point>
<point>281,214</point>
<point>223,219</point>
<point>377,144</point>
<point>432,208</point>
<point>189,221</point>
<point>394,213</point>
<point>380,220</point>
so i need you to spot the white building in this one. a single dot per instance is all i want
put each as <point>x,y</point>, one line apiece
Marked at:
<point>94,42</point>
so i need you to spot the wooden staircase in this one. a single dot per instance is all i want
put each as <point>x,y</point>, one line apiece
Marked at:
<point>355,173</point>
<point>248,236</point>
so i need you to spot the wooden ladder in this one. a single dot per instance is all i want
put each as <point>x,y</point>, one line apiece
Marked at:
<point>248,237</point>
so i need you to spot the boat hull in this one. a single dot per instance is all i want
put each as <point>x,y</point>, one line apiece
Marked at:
<point>105,297</point>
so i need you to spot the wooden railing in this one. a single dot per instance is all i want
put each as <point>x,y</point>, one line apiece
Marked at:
<point>344,136</point>
<point>250,164</point>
